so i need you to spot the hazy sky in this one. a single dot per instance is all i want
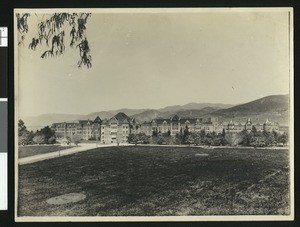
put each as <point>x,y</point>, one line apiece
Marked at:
<point>152,60</point>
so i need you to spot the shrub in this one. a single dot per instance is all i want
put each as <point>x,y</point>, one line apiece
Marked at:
<point>161,140</point>
<point>75,139</point>
<point>52,140</point>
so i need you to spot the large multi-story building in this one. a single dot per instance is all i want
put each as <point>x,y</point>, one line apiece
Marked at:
<point>86,129</point>
<point>118,128</point>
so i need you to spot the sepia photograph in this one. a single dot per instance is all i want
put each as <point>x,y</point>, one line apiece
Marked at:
<point>154,114</point>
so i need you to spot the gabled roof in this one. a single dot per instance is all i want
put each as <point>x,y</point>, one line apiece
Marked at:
<point>134,121</point>
<point>161,121</point>
<point>121,118</point>
<point>147,123</point>
<point>70,125</point>
<point>188,121</point>
<point>86,122</point>
<point>175,118</point>
<point>249,122</point>
<point>97,120</point>
<point>104,122</point>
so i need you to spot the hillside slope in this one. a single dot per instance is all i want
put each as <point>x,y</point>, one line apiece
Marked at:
<point>273,107</point>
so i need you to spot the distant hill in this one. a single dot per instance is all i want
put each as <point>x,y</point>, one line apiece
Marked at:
<point>274,107</point>
<point>152,114</point>
<point>196,113</point>
<point>111,113</point>
<point>194,106</point>
<point>149,115</point>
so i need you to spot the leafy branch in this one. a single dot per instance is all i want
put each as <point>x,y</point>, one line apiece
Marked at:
<point>51,31</point>
<point>22,25</point>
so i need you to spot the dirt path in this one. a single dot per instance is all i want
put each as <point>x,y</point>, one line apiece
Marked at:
<point>56,154</point>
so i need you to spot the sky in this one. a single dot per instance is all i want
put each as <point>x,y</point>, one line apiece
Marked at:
<point>153,60</point>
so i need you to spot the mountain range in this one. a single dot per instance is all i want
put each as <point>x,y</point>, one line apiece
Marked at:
<point>273,107</point>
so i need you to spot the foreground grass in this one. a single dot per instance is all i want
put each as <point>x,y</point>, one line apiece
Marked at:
<point>159,181</point>
<point>26,151</point>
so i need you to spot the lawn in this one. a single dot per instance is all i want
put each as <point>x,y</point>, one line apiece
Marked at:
<point>26,151</point>
<point>159,181</point>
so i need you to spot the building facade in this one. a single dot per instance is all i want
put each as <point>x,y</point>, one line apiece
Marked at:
<point>117,129</point>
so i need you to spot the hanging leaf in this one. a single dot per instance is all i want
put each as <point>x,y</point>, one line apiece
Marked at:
<point>53,29</point>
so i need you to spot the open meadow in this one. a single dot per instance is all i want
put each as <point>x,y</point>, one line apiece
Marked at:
<point>150,181</point>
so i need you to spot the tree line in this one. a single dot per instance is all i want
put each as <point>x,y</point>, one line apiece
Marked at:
<point>43,136</point>
<point>251,138</point>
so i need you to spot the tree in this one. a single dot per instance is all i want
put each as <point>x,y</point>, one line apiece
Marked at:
<point>185,134</point>
<point>21,127</point>
<point>39,138</point>
<point>270,140</point>
<point>166,134</point>
<point>223,133</point>
<point>207,141</point>
<point>232,139</point>
<point>216,141</point>
<point>154,133</point>
<point>222,137</point>
<point>161,140</point>
<point>138,138</point>
<point>283,138</point>
<point>197,139</point>
<point>143,138</point>
<point>75,139</point>
<point>132,138</point>
<point>254,130</point>
<point>202,135</point>
<point>51,32</point>
<point>276,136</point>
<point>257,141</point>
<point>189,139</point>
<point>25,137</point>
<point>47,132</point>
<point>44,136</point>
<point>245,138</point>
<point>178,138</point>
<point>52,140</point>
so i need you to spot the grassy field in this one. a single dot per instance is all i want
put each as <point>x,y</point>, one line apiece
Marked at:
<point>159,181</point>
<point>26,151</point>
